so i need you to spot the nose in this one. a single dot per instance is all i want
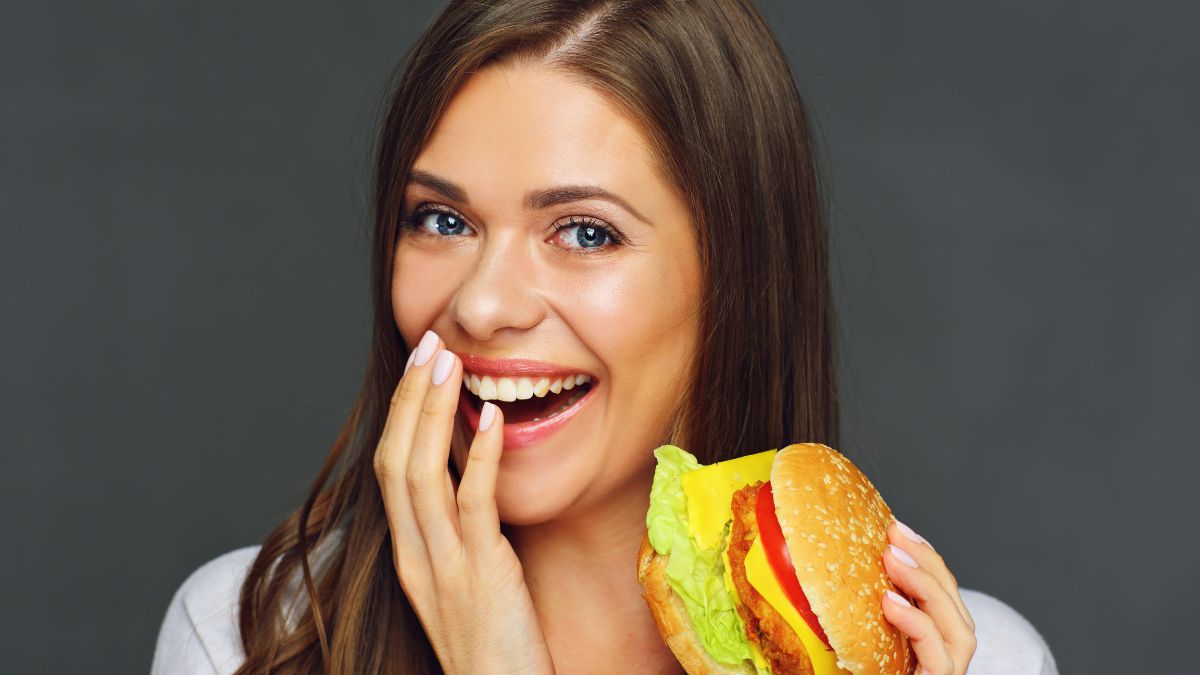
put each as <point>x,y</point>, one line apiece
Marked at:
<point>501,293</point>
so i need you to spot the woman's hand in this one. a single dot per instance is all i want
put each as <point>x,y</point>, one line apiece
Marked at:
<point>459,572</point>
<point>939,628</point>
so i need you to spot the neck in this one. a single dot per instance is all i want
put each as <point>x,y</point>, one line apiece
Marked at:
<point>582,574</point>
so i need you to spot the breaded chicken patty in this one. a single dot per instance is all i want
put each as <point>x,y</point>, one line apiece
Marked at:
<point>776,640</point>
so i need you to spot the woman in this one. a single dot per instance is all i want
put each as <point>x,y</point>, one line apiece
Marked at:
<point>613,199</point>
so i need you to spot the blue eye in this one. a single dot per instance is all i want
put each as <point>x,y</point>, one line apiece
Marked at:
<point>588,234</point>
<point>581,235</point>
<point>443,223</point>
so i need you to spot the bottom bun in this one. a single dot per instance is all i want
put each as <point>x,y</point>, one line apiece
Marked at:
<point>672,617</point>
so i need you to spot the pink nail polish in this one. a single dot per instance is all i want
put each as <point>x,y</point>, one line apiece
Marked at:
<point>426,348</point>
<point>897,598</point>
<point>443,366</point>
<point>902,555</point>
<point>487,416</point>
<point>909,533</point>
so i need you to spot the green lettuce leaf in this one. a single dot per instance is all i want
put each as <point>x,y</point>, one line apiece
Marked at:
<point>697,575</point>
<point>667,518</point>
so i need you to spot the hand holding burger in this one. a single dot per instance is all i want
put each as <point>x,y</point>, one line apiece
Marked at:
<point>775,563</point>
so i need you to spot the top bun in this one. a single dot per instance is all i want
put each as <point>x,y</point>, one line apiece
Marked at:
<point>835,524</point>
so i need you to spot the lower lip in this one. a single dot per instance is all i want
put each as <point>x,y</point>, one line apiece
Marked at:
<point>525,434</point>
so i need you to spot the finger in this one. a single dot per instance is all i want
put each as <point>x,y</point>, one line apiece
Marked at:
<point>395,443</point>
<point>477,492</point>
<point>428,477</point>
<point>931,598</point>
<point>395,439</point>
<point>923,635</point>
<point>929,560</point>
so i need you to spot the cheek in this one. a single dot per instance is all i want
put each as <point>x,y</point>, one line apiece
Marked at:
<point>640,320</point>
<point>421,286</point>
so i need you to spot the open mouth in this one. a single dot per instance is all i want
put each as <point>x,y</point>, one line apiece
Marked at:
<point>532,409</point>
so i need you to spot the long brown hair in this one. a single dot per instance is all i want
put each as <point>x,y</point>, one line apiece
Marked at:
<point>712,91</point>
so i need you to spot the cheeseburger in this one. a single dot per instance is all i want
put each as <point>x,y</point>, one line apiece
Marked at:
<point>770,563</point>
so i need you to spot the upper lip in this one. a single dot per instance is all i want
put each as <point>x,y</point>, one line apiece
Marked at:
<point>482,365</point>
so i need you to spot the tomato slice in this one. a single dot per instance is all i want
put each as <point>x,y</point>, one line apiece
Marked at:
<point>781,561</point>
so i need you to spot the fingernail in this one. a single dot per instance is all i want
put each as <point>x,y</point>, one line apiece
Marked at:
<point>487,416</point>
<point>902,555</point>
<point>426,348</point>
<point>441,368</point>
<point>897,598</point>
<point>410,360</point>
<point>908,532</point>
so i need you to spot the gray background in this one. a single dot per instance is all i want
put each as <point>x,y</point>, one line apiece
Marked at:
<point>185,319</point>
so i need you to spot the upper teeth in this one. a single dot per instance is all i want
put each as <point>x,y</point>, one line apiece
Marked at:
<point>518,388</point>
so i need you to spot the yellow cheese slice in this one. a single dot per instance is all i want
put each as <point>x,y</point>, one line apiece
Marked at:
<point>709,491</point>
<point>762,578</point>
<point>710,488</point>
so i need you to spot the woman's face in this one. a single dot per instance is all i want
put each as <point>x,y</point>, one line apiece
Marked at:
<point>503,266</point>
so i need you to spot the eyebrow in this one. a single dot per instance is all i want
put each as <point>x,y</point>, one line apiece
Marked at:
<point>535,199</point>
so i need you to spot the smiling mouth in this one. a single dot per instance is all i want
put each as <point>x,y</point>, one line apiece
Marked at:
<point>535,408</point>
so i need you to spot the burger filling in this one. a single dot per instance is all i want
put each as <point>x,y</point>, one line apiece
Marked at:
<point>765,627</point>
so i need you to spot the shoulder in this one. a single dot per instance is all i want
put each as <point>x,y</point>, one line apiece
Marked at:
<point>1006,643</point>
<point>199,633</point>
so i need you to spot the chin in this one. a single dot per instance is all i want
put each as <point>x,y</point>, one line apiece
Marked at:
<point>542,482</point>
<point>521,512</point>
<point>530,494</point>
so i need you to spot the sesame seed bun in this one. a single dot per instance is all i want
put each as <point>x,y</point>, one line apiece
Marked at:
<point>835,524</point>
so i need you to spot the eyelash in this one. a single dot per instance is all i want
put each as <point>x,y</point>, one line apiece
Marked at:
<point>412,223</point>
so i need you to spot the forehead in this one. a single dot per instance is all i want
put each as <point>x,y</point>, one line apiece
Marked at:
<point>510,128</point>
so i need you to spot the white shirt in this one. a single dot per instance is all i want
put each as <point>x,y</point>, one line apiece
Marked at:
<point>200,634</point>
